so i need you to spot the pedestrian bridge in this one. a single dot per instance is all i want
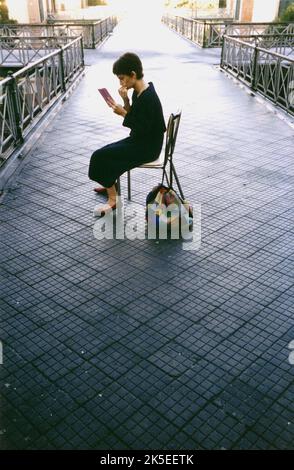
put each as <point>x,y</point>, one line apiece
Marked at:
<point>139,344</point>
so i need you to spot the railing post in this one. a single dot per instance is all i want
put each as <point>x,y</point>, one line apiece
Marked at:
<point>254,70</point>
<point>100,31</point>
<point>204,35</point>
<point>62,74</point>
<point>16,116</point>
<point>196,33</point>
<point>223,51</point>
<point>224,34</point>
<point>82,51</point>
<point>93,36</point>
<point>277,79</point>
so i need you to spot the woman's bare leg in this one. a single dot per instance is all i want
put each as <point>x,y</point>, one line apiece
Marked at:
<point>111,201</point>
<point>111,193</point>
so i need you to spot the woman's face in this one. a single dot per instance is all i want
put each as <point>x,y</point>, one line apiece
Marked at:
<point>127,81</point>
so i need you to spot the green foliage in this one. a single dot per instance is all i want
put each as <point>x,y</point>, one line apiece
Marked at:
<point>4,16</point>
<point>288,15</point>
<point>95,3</point>
<point>183,3</point>
<point>194,4</point>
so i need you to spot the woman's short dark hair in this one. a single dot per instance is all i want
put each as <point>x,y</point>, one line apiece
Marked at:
<point>128,63</point>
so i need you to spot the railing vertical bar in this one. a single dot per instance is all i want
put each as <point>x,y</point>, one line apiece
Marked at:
<point>82,51</point>
<point>93,36</point>
<point>62,72</point>
<point>277,79</point>
<point>254,69</point>
<point>16,116</point>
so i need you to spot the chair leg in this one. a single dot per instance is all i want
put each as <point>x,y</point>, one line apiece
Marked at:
<point>118,186</point>
<point>173,170</point>
<point>166,177</point>
<point>171,173</point>
<point>129,185</point>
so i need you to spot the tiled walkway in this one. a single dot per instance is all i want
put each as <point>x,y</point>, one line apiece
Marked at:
<point>118,344</point>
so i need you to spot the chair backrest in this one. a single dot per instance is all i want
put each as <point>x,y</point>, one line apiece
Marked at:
<point>171,135</point>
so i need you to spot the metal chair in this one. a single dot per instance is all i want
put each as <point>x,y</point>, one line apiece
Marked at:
<point>166,156</point>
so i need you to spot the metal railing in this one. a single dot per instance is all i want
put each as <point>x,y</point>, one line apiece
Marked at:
<point>93,32</point>
<point>209,32</point>
<point>264,71</point>
<point>205,33</point>
<point>280,43</point>
<point>28,94</point>
<point>249,29</point>
<point>19,51</point>
<point>200,13</point>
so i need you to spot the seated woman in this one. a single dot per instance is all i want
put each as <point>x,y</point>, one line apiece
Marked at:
<point>145,119</point>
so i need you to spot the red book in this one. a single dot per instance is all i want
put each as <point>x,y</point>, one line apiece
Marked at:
<point>105,94</point>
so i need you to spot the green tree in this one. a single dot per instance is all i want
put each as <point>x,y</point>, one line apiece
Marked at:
<point>183,3</point>
<point>288,15</point>
<point>94,3</point>
<point>4,16</point>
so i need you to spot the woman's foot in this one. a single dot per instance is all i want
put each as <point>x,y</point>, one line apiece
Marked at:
<point>100,191</point>
<point>110,206</point>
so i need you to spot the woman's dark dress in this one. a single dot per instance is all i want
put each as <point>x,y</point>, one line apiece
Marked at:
<point>146,121</point>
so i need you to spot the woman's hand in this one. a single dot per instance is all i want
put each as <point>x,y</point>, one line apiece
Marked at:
<point>123,91</point>
<point>117,108</point>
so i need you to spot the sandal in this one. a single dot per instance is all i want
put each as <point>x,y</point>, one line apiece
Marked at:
<point>100,213</point>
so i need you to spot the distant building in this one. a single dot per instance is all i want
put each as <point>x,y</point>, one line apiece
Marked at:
<point>30,11</point>
<point>36,11</point>
<point>241,10</point>
<point>256,10</point>
<point>248,10</point>
<point>67,5</point>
